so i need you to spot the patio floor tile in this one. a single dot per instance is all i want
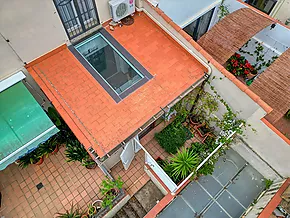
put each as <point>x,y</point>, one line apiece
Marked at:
<point>63,184</point>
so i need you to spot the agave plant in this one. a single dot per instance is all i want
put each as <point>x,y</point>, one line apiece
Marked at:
<point>72,213</point>
<point>183,163</point>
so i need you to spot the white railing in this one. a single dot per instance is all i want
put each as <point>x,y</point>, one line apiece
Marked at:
<point>160,172</point>
<point>157,169</point>
<point>204,161</point>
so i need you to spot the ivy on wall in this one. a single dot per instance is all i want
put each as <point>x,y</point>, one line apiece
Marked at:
<point>259,55</point>
<point>223,10</point>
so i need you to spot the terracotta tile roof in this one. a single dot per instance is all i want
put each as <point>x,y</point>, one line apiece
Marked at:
<point>273,86</point>
<point>232,32</point>
<point>95,118</point>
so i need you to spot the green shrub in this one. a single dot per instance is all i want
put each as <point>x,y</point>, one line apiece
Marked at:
<point>110,190</point>
<point>172,137</point>
<point>268,183</point>
<point>207,168</point>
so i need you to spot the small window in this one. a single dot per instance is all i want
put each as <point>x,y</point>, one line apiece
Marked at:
<point>263,5</point>
<point>77,16</point>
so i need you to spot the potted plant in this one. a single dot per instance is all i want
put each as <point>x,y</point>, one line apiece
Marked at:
<point>76,152</point>
<point>239,66</point>
<point>53,144</point>
<point>34,157</point>
<point>98,204</point>
<point>92,210</point>
<point>72,213</point>
<point>89,163</point>
<point>110,189</point>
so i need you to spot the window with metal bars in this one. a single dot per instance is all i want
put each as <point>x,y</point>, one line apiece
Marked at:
<point>77,16</point>
<point>264,5</point>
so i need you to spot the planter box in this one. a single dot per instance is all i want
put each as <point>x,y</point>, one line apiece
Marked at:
<point>103,212</point>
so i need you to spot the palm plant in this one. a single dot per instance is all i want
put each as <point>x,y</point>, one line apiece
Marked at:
<point>72,213</point>
<point>183,163</point>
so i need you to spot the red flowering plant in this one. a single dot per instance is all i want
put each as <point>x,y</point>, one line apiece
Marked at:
<point>239,66</point>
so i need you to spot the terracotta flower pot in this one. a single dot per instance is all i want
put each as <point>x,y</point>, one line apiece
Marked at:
<point>55,150</point>
<point>40,161</point>
<point>98,204</point>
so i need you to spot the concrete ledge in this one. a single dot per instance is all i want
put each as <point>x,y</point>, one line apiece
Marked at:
<point>117,207</point>
<point>155,180</point>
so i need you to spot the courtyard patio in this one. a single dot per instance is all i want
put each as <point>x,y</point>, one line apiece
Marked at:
<point>63,183</point>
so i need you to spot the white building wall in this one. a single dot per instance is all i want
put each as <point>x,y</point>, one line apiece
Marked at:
<point>267,144</point>
<point>33,27</point>
<point>281,11</point>
<point>9,62</point>
<point>103,10</point>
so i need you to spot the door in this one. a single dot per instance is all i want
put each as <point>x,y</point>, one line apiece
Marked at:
<point>77,16</point>
<point>129,151</point>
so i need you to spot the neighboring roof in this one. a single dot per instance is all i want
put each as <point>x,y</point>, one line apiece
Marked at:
<point>273,86</point>
<point>182,12</point>
<point>232,32</point>
<point>94,117</point>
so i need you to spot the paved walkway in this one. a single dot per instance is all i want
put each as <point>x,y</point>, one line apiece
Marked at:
<point>63,184</point>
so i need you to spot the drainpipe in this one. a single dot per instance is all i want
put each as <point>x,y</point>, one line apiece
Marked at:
<point>206,65</point>
<point>96,159</point>
<point>199,94</point>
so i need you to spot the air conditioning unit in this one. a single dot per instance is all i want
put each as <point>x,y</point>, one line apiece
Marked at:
<point>121,8</point>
